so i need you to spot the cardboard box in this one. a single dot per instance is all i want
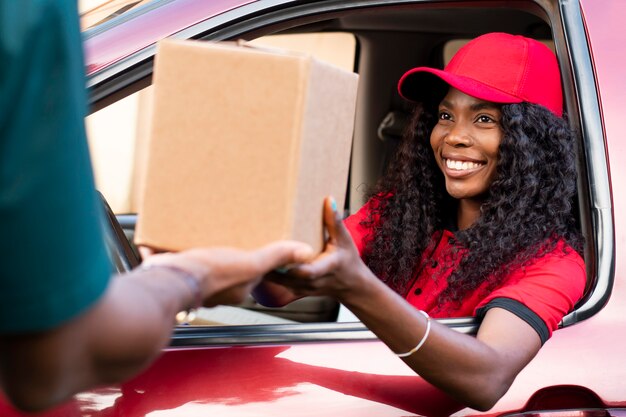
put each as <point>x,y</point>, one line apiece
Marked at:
<point>244,145</point>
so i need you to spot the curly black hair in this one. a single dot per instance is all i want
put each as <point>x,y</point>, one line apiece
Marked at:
<point>529,206</point>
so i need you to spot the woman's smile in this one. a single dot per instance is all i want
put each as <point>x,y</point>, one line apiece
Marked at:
<point>460,167</point>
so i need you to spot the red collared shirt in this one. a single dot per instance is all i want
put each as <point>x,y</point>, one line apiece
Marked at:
<point>540,293</point>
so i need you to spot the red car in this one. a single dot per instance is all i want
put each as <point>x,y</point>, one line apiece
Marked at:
<point>319,363</point>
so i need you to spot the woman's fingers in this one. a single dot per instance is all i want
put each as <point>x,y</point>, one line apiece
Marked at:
<point>324,264</point>
<point>302,284</point>
<point>333,221</point>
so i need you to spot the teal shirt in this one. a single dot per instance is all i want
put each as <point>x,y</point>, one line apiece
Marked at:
<point>53,262</point>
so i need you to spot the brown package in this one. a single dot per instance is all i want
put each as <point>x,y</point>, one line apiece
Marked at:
<point>244,145</point>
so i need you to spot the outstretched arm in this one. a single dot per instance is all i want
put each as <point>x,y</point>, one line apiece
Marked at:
<point>476,370</point>
<point>127,328</point>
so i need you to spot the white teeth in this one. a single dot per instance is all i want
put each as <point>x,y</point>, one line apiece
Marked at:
<point>461,165</point>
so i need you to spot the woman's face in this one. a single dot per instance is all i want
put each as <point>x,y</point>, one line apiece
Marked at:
<point>465,141</point>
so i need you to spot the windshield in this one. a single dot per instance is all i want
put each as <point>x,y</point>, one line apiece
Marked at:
<point>96,12</point>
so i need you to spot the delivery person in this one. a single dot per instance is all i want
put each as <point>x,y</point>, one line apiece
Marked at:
<point>65,324</point>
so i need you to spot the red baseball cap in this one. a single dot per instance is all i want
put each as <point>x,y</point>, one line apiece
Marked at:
<point>496,67</point>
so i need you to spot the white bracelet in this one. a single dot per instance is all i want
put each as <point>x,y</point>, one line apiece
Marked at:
<point>421,343</point>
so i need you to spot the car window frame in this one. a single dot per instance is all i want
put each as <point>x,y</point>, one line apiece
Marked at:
<point>581,100</point>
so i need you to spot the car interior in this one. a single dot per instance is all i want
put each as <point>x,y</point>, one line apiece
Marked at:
<point>388,40</point>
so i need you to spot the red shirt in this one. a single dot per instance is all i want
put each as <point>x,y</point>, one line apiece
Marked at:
<point>540,293</point>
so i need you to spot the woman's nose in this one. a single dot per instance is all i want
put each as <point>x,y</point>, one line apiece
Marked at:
<point>459,135</point>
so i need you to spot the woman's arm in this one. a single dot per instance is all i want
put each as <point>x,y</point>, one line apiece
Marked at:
<point>477,371</point>
<point>127,328</point>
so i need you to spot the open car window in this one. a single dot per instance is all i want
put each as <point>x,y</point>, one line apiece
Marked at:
<point>422,33</point>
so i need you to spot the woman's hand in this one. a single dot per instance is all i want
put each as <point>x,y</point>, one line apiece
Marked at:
<point>338,271</point>
<point>477,371</point>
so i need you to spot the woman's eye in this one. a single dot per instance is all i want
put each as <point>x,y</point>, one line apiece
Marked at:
<point>444,116</point>
<point>485,119</point>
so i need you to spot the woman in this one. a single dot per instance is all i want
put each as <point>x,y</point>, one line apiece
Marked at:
<point>474,217</point>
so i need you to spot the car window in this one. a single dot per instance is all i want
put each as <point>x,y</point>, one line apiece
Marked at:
<point>96,12</point>
<point>426,46</point>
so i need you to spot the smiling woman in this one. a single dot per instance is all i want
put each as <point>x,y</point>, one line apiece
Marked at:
<point>478,223</point>
<point>465,143</point>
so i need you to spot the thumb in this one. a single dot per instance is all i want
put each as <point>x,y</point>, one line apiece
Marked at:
<point>334,222</point>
